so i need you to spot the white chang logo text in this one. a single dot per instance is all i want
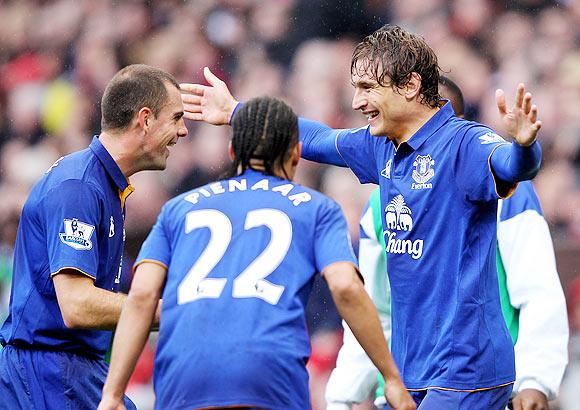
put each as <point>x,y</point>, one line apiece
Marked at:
<point>398,217</point>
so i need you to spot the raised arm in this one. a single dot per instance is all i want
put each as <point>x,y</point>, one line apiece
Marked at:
<point>215,105</point>
<point>522,160</point>
<point>132,332</point>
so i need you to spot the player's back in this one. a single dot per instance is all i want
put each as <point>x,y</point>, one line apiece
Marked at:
<point>244,253</point>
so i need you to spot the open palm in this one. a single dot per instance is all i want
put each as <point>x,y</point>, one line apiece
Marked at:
<point>212,103</point>
<point>521,121</point>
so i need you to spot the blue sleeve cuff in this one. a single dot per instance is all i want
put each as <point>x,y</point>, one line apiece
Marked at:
<point>238,106</point>
<point>513,163</point>
<point>319,143</point>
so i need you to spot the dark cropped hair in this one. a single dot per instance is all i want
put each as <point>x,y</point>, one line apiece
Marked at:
<point>266,129</point>
<point>391,54</point>
<point>132,88</point>
<point>448,89</point>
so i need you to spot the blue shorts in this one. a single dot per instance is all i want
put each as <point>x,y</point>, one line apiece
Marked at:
<point>40,379</point>
<point>436,399</point>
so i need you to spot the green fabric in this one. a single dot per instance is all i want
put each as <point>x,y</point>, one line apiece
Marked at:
<point>375,205</point>
<point>511,315</point>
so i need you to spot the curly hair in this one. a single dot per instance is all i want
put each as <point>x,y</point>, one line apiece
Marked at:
<point>391,54</point>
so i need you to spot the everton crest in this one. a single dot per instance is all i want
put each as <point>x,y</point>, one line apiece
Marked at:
<point>423,171</point>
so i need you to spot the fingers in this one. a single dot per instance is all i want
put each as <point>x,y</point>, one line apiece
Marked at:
<point>519,96</point>
<point>194,108</point>
<point>193,116</point>
<point>533,114</point>
<point>196,89</point>
<point>191,99</point>
<point>500,101</point>
<point>211,77</point>
<point>527,103</point>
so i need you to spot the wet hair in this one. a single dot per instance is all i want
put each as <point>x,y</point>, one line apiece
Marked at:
<point>266,129</point>
<point>132,88</point>
<point>391,54</point>
<point>448,89</point>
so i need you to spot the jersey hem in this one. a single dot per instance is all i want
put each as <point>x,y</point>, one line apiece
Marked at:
<point>156,262</point>
<point>465,390</point>
<point>233,404</point>
<point>53,274</point>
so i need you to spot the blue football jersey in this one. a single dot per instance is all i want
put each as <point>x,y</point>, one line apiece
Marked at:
<point>241,255</point>
<point>73,218</point>
<point>439,204</point>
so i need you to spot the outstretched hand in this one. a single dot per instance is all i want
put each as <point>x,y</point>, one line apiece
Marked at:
<point>212,103</point>
<point>521,121</point>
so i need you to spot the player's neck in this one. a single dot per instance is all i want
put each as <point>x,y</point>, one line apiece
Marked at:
<point>412,123</point>
<point>118,146</point>
<point>258,165</point>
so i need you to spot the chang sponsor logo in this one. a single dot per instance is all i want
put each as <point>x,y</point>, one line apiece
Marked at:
<point>398,217</point>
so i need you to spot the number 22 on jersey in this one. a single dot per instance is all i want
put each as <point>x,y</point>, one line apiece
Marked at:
<point>249,283</point>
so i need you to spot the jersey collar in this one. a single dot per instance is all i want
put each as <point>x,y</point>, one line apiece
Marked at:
<point>431,126</point>
<point>109,164</point>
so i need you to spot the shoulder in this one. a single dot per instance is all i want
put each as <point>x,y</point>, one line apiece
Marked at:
<point>81,166</point>
<point>524,199</point>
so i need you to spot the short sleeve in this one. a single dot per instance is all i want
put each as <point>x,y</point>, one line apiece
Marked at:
<point>72,218</point>
<point>332,241</point>
<point>157,246</point>
<point>473,169</point>
<point>358,148</point>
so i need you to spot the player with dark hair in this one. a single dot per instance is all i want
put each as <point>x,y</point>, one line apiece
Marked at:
<point>440,178</point>
<point>235,261</point>
<point>527,279</point>
<point>68,255</point>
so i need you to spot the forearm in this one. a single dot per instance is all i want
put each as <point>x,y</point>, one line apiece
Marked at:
<point>130,337</point>
<point>513,163</point>
<point>96,309</point>
<point>355,305</point>
<point>319,142</point>
<point>100,309</point>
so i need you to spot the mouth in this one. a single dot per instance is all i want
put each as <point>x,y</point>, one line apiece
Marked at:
<point>171,143</point>
<point>371,115</point>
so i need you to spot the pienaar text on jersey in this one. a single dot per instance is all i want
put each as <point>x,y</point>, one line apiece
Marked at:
<point>400,246</point>
<point>287,190</point>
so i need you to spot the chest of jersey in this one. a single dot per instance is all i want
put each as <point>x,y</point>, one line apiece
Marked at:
<point>417,190</point>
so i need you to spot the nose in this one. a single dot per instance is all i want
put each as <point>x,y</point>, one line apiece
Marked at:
<point>358,100</point>
<point>182,130</point>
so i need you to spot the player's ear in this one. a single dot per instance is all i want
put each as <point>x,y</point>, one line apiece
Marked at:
<point>231,151</point>
<point>296,152</point>
<point>413,86</point>
<point>144,117</point>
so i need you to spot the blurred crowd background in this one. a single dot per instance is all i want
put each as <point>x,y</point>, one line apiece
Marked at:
<point>57,56</point>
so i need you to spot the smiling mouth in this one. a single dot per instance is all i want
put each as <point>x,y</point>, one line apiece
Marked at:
<point>171,144</point>
<point>371,115</point>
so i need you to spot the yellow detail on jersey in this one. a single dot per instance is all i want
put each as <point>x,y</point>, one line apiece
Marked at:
<point>73,268</point>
